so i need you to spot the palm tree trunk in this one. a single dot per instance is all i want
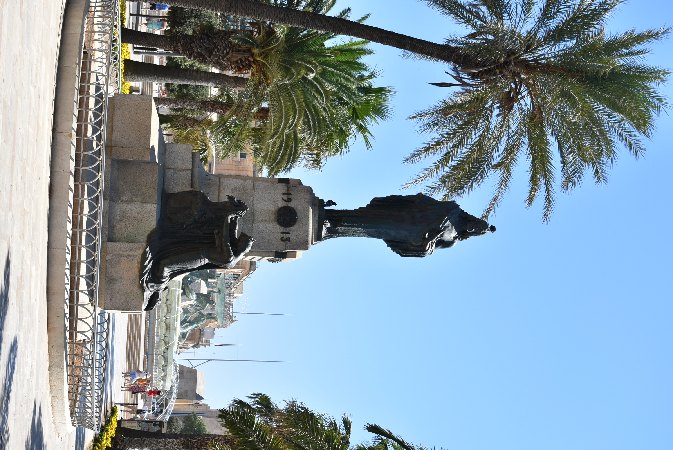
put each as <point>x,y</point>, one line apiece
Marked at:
<point>213,48</point>
<point>305,19</point>
<point>207,105</point>
<point>138,71</point>
<point>131,36</point>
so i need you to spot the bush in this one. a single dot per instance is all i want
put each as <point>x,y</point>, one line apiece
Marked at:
<point>125,51</point>
<point>103,439</point>
<point>126,54</point>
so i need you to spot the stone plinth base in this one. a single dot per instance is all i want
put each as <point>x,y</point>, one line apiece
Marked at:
<point>132,198</point>
<point>120,285</point>
<point>133,128</point>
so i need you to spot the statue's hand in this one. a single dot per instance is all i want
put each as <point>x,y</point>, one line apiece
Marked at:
<point>238,207</point>
<point>222,254</point>
<point>241,246</point>
<point>233,228</point>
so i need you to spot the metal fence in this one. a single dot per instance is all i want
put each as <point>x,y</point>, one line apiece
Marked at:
<point>161,346</point>
<point>87,355</point>
<point>87,334</point>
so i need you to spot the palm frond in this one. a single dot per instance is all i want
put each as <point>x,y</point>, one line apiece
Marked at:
<point>387,434</point>
<point>547,81</point>
<point>247,430</point>
<point>469,15</point>
<point>541,165</point>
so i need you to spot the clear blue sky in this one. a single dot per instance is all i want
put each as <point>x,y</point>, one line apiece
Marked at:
<point>541,336</point>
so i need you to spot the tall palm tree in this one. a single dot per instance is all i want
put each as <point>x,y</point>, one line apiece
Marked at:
<point>530,77</point>
<point>319,93</point>
<point>306,15</point>
<point>562,82</point>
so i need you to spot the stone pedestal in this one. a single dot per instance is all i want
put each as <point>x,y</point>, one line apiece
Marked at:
<point>264,197</point>
<point>133,128</point>
<point>119,288</point>
<point>134,181</point>
<point>282,217</point>
<point>133,204</point>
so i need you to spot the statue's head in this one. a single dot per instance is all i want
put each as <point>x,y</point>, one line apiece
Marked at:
<point>471,226</point>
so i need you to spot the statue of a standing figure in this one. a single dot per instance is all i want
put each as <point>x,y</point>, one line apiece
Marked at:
<point>193,233</point>
<point>411,225</point>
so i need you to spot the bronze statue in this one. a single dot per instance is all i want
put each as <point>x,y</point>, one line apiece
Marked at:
<point>411,225</point>
<point>192,233</point>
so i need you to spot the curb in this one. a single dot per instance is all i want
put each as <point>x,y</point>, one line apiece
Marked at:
<point>60,205</point>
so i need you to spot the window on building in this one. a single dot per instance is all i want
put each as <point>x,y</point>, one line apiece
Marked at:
<point>243,155</point>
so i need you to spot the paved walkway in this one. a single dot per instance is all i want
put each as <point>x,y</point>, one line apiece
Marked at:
<point>29,41</point>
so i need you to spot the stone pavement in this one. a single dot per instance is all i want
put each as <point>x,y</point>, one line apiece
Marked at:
<point>29,45</point>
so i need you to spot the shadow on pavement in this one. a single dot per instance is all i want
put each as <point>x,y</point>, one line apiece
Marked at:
<point>4,296</point>
<point>6,394</point>
<point>110,366</point>
<point>6,388</point>
<point>80,438</point>
<point>35,439</point>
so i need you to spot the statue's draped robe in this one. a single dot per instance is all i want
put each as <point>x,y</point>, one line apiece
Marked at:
<point>411,225</point>
<point>193,233</point>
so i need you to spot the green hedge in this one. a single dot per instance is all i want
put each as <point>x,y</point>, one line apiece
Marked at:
<point>103,439</point>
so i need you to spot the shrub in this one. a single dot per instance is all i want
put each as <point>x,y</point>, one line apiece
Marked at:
<point>103,439</point>
<point>125,51</point>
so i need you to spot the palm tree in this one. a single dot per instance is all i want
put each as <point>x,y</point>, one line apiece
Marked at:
<point>211,105</point>
<point>385,439</point>
<point>562,83</point>
<point>530,78</point>
<point>261,424</point>
<point>319,94</point>
<point>306,15</point>
<point>212,47</point>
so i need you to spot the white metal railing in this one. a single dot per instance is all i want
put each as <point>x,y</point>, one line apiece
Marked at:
<point>86,349</point>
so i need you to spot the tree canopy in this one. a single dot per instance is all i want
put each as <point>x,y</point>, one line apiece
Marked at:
<point>553,77</point>
<point>260,424</point>
<point>193,424</point>
<point>540,81</point>
<point>190,424</point>
<point>317,94</point>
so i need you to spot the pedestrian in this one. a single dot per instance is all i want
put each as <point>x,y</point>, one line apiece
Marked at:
<point>134,389</point>
<point>134,375</point>
<point>154,392</point>
<point>142,382</point>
